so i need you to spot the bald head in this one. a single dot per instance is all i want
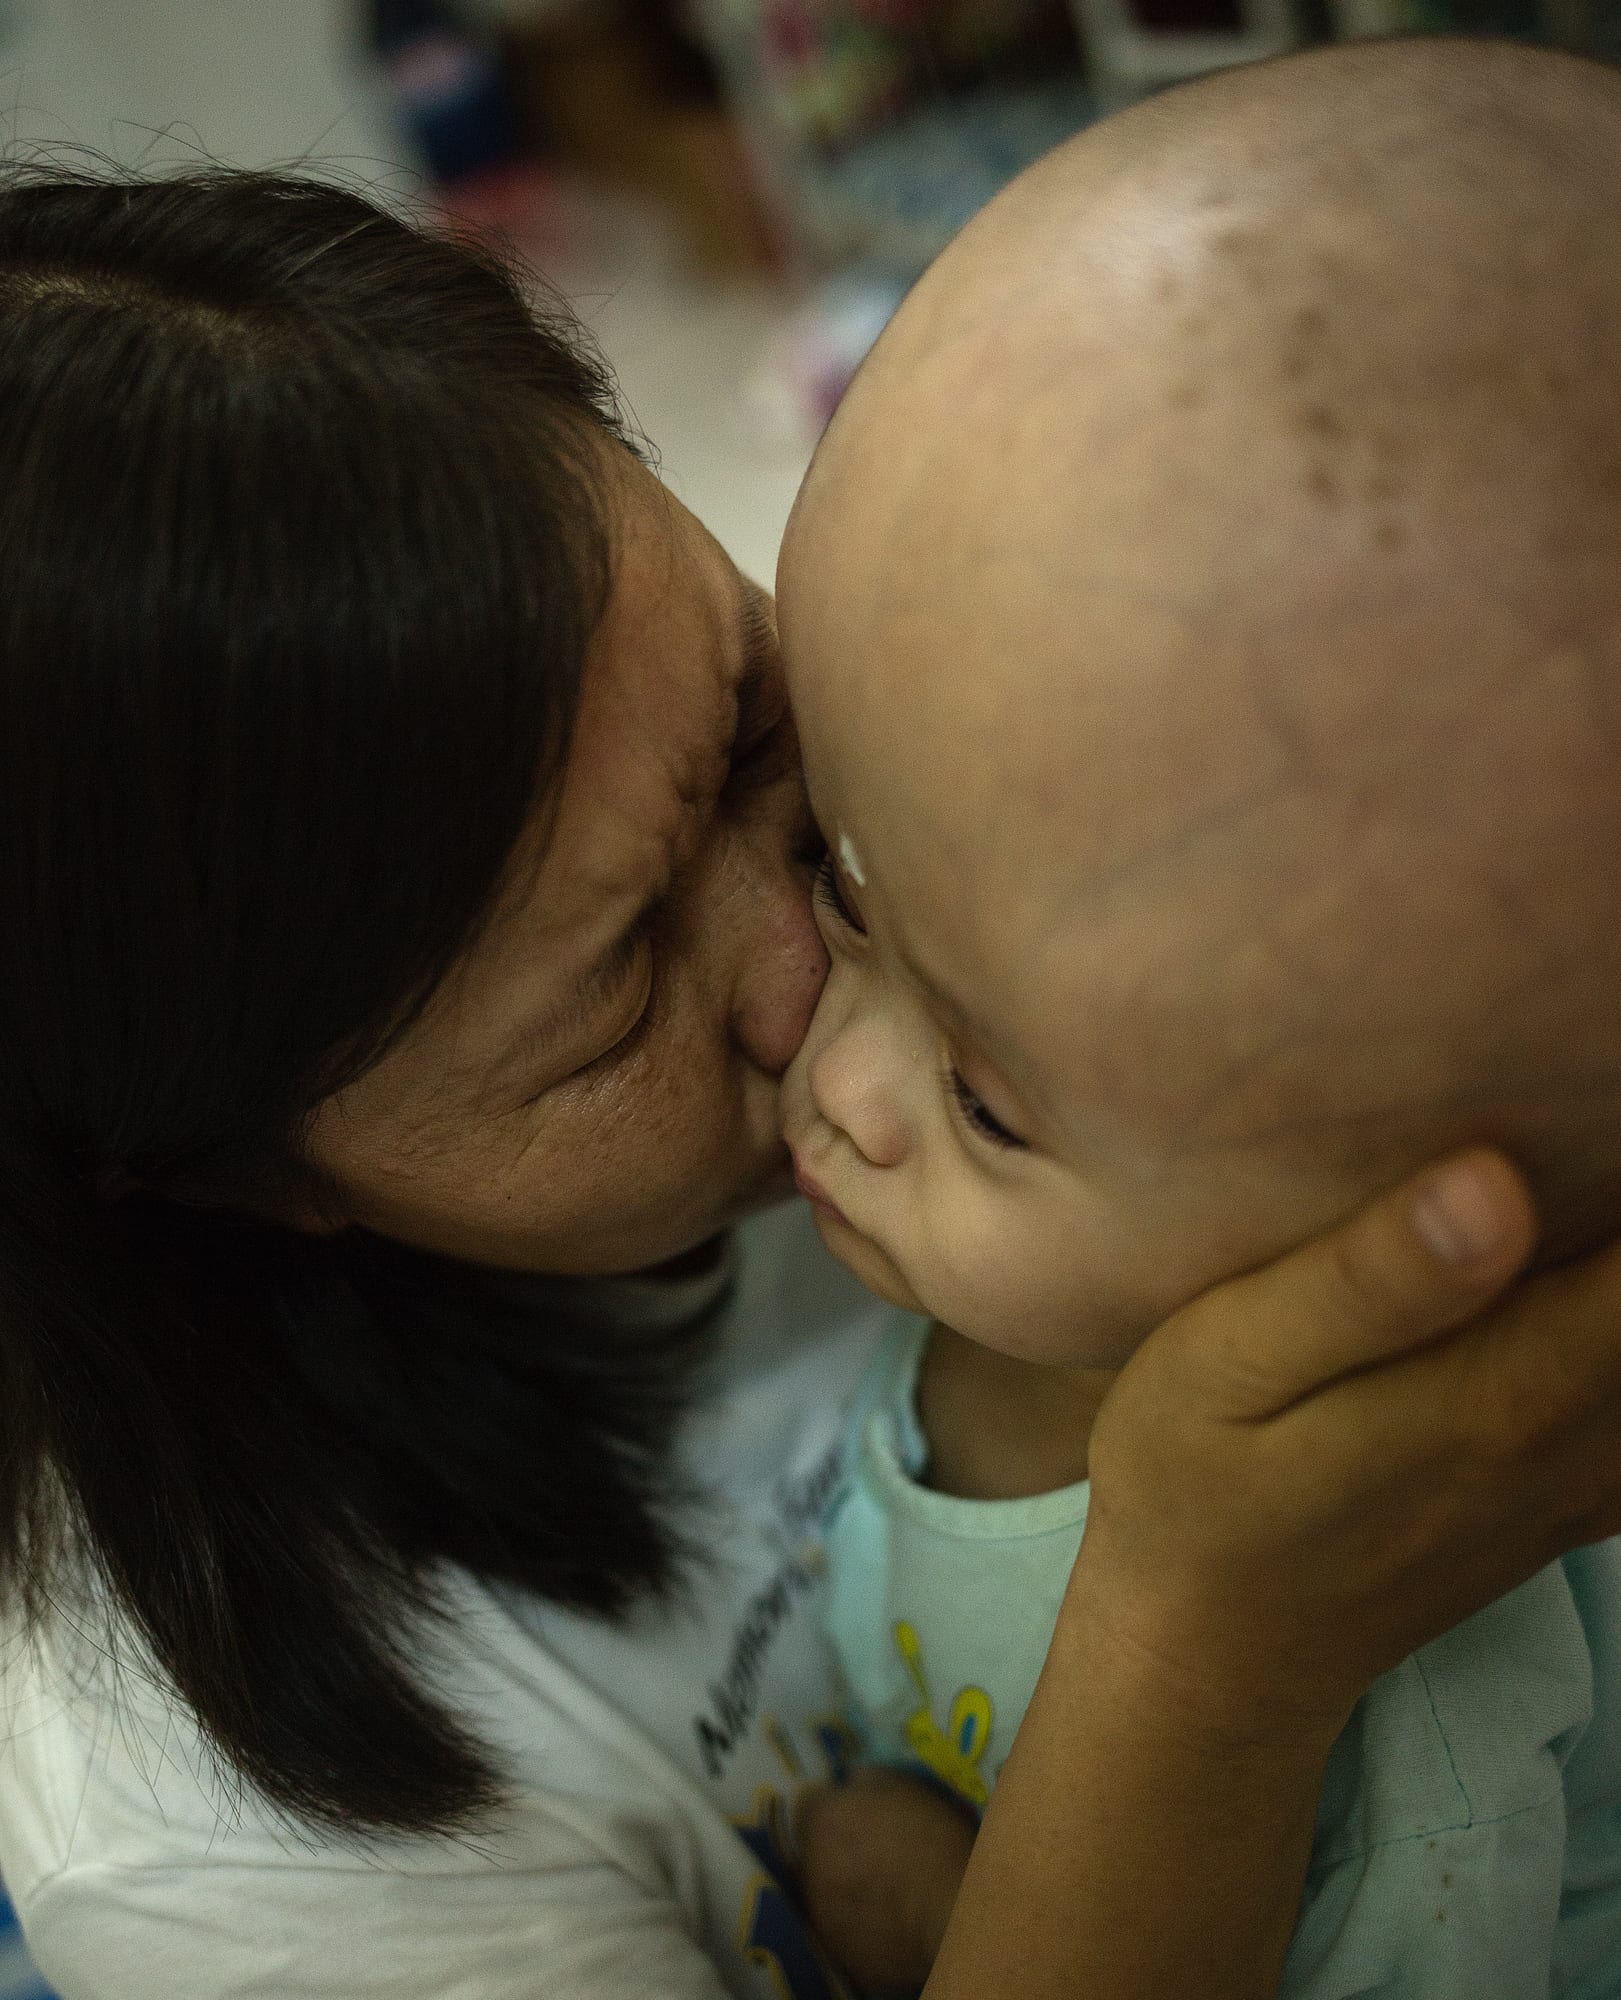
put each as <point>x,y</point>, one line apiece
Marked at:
<point>1212,585</point>
<point>1350,277</point>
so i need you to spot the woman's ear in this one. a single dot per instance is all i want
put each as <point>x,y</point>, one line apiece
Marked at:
<point>305,1201</point>
<point>312,1217</point>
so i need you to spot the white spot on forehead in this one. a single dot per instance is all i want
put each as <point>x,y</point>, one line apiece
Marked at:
<point>851,860</point>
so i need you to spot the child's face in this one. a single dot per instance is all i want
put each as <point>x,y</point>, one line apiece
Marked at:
<point>1192,876</point>
<point>1077,1056</point>
<point>1201,624</point>
<point>965,1111</point>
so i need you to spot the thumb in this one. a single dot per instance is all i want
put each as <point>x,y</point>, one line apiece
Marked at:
<point>1414,1263</point>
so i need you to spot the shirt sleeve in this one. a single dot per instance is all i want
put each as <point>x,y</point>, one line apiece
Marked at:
<point>220,1931</point>
<point>1587,1964</point>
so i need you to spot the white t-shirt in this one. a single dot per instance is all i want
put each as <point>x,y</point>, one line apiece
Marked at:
<point>653,1766</point>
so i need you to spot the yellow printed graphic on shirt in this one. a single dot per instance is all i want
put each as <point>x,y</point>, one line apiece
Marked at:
<point>951,1753</point>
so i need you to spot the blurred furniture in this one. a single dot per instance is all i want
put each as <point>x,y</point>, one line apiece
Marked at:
<point>877,127</point>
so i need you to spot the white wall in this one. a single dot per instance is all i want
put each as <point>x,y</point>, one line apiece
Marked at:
<point>253,82</point>
<point>265,82</point>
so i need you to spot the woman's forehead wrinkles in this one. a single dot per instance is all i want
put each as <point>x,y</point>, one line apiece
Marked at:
<point>540,969</point>
<point>644,759</point>
<point>621,846</point>
<point>641,773</point>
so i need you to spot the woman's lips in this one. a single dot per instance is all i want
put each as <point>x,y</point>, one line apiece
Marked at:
<point>818,1196</point>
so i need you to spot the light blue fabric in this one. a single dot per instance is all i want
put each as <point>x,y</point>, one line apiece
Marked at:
<point>1587,1958</point>
<point>1468,1841</point>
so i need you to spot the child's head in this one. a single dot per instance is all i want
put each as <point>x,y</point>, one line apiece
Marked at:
<point>1204,620</point>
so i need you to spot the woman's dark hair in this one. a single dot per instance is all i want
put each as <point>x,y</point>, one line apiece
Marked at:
<point>300,550</point>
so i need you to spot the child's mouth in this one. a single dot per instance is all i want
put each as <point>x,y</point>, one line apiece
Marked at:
<point>818,1196</point>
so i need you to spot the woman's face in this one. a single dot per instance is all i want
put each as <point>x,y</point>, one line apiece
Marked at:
<point>594,1087</point>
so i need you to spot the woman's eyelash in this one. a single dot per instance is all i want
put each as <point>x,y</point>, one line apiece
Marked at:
<point>628,1040</point>
<point>617,1051</point>
<point>974,1109</point>
<point>831,897</point>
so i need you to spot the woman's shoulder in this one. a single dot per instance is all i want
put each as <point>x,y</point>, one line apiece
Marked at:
<point>105,1766</point>
<point>140,1866</point>
<point>103,1760</point>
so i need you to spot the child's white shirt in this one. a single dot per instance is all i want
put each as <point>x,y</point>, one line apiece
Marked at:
<point>1468,1841</point>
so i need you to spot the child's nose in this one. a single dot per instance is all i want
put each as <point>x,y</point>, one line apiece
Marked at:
<point>852,1091</point>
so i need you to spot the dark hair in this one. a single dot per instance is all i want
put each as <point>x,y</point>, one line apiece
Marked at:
<point>300,551</point>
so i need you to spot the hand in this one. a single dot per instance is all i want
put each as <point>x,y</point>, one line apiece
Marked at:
<point>880,1861</point>
<point>1313,1470</point>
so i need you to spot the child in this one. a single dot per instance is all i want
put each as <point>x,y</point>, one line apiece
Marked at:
<point>1205,634</point>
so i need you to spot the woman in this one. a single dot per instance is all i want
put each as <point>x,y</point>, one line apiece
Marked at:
<point>404,891</point>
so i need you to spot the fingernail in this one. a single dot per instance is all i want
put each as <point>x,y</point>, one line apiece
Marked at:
<point>1456,1214</point>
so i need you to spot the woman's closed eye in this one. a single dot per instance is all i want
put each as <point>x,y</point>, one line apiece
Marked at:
<point>829,893</point>
<point>624,1043</point>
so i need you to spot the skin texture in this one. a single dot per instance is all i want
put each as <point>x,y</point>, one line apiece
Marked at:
<point>1202,627</point>
<point>651,1120</point>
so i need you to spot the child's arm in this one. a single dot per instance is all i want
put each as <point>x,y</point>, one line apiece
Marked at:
<point>881,1859</point>
<point>1296,1483</point>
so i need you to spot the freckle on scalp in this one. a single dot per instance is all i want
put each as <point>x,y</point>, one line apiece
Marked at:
<point>1304,342</point>
<point>1240,244</point>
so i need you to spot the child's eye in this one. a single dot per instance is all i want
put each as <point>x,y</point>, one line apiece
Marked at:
<point>977,1113</point>
<point>831,897</point>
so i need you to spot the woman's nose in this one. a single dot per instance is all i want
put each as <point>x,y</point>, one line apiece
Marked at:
<point>777,958</point>
<point>780,977</point>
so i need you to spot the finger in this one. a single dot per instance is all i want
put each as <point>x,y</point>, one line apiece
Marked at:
<point>1544,1367</point>
<point>1413,1264</point>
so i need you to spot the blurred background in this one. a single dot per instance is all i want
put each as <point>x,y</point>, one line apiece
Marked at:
<point>733,194</point>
